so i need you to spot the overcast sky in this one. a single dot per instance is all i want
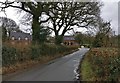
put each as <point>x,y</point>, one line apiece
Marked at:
<point>109,12</point>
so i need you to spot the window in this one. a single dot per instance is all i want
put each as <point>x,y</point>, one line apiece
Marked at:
<point>65,43</point>
<point>26,38</point>
<point>13,38</point>
<point>19,38</point>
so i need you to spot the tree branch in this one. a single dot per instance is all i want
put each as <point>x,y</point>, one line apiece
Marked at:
<point>6,5</point>
<point>44,20</point>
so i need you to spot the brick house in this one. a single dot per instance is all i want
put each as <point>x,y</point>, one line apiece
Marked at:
<point>69,41</point>
<point>20,37</point>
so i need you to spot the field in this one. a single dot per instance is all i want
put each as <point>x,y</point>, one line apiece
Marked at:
<point>101,64</point>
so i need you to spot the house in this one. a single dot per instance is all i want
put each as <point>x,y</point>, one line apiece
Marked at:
<point>69,41</point>
<point>20,37</point>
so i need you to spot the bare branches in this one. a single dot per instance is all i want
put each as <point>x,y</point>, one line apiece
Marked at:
<point>8,24</point>
<point>6,4</point>
<point>63,15</point>
<point>43,21</point>
<point>69,14</point>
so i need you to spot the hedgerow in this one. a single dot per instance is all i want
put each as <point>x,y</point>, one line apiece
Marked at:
<point>12,55</point>
<point>104,63</point>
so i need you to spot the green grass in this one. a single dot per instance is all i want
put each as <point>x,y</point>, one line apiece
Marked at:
<point>86,73</point>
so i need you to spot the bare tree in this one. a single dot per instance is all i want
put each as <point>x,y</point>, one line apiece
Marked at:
<point>65,15</point>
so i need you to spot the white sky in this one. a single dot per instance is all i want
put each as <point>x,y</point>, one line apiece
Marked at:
<point>109,12</point>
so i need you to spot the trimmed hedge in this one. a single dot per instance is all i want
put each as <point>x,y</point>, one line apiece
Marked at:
<point>8,55</point>
<point>12,55</point>
<point>48,50</point>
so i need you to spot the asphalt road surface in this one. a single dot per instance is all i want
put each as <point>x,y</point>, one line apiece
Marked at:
<point>61,69</point>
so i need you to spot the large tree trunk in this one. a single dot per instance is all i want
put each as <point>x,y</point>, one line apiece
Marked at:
<point>58,39</point>
<point>35,29</point>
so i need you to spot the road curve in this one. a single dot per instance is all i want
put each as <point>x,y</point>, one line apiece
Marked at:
<point>61,69</point>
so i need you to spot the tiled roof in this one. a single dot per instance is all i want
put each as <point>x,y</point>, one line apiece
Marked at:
<point>22,35</point>
<point>68,38</point>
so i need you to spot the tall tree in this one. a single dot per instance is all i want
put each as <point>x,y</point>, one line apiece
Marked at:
<point>65,15</point>
<point>35,9</point>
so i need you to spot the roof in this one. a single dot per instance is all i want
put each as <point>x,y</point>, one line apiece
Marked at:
<point>68,38</point>
<point>22,35</point>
